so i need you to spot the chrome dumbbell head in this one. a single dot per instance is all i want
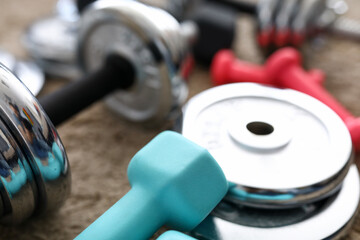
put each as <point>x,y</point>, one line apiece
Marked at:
<point>152,41</point>
<point>34,170</point>
<point>278,148</point>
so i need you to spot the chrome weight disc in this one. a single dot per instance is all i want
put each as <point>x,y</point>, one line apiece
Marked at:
<point>35,173</point>
<point>150,39</point>
<point>18,190</point>
<point>331,219</point>
<point>278,148</point>
<point>29,73</point>
<point>51,42</point>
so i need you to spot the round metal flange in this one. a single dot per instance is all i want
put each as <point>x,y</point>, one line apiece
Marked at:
<point>36,158</point>
<point>150,39</point>
<point>51,42</point>
<point>29,73</point>
<point>330,219</point>
<point>278,148</point>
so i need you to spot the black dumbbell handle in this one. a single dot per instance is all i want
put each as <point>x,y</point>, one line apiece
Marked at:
<point>245,7</point>
<point>62,104</point>
<point>82,4</point>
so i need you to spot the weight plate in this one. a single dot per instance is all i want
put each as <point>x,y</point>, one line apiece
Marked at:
<point>331,221</point>
<point>51,42</point>
<point>29,73</point>
<point>278,148</point>
<point>149,38</point>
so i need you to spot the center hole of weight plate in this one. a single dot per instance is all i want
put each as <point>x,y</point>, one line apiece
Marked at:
<point>260,128</point>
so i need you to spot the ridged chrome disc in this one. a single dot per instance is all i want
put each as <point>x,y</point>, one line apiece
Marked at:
<point>330,219</point>
<point>278,148</point>
<point>35,173</point>
<point>150,40</point>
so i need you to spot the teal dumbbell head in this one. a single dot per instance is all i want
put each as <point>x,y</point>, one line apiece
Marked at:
<point>174,182</point>
<point>174,235</point>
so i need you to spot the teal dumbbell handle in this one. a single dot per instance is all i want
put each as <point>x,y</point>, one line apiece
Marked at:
<point>121,222</point>
<point>174,235</point>
<point>174,182</point>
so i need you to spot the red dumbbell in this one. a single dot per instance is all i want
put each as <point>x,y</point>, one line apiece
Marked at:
<point>282,69</point>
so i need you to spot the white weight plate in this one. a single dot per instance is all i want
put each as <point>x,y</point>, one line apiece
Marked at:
<point>301,155</point>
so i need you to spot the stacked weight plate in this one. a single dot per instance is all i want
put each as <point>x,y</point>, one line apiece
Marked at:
<point>288,160</point>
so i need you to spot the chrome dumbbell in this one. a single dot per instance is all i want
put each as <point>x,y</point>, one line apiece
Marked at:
<point>286,156</point>
<point>35,170</point>
<point>133,51</point>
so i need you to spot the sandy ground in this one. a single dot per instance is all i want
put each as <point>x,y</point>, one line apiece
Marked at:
<point>99,144</point>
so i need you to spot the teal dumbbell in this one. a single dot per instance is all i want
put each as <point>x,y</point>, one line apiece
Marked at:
<point>174,235</point>
<point>174,182</point>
